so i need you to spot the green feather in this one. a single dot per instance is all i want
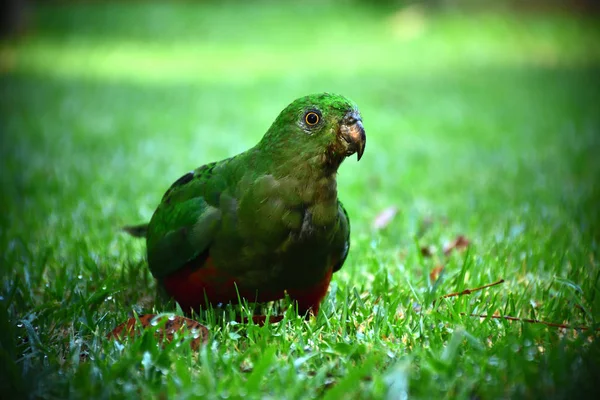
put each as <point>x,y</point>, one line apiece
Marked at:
<point>270,216</point>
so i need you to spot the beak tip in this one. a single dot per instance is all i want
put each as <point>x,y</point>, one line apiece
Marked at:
<point>361,146</point>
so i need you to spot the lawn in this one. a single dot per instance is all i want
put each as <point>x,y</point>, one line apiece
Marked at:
<point>482,124</point>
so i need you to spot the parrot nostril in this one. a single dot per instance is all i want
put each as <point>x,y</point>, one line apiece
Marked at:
<point>351,118</point>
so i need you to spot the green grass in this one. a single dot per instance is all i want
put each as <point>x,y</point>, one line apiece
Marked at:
<point>480,124</point>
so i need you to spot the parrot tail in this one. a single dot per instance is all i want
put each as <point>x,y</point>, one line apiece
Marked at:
<point>139,231</point>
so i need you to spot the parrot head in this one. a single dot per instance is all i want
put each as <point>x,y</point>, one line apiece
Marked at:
<point>322,127</point>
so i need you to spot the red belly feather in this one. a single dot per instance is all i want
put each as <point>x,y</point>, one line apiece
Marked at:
<point>191,287</point>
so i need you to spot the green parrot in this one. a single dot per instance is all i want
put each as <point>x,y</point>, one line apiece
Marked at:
<point>265,222</point>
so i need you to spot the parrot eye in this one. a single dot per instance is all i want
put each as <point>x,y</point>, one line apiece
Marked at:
<point>312,118</point>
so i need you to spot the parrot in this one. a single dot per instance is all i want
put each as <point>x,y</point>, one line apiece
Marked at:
<point>265,223</point>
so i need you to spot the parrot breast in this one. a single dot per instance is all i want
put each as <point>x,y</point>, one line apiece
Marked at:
<point>273,239</point>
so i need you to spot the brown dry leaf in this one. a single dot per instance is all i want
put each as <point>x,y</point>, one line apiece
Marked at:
<point>435,273</point>
<point>384,218</point>
<point>175,323</point>
<point>426,251</point>
<point>459,244</point>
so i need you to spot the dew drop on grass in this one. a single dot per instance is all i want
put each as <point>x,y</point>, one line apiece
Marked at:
<point>146,360</point>
<point>19,325</point>
<point>172,317</point>
<point>516,230</point>
<point>109,298</point>
<point>79,276</point>
<point>154,322</point>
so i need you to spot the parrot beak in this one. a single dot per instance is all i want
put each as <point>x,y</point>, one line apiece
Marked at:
<point>353,133</point>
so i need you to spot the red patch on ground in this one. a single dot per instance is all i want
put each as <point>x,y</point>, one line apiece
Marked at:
<point>459,244</point>
<point>435,273</point>
<point>170,326</point>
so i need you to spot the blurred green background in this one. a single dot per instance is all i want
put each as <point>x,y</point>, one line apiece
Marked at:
<point>481,120</point>
<point>112,101</point>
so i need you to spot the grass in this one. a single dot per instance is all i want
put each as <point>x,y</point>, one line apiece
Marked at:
<point>481,124</point>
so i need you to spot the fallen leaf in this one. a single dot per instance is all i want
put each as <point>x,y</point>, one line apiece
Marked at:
<point>175,323</point>
<point>459,244</point>
<point>426,251</point>
<point>435,273</point>
<point>384,218</point>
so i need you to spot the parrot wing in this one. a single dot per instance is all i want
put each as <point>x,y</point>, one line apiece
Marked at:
<point>342,238</point>
<point>182,228</point>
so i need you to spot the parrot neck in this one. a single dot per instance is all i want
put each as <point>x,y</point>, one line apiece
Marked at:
<point>313,168</point>
<point>315,175</point>
<point>306,168</point>
<point>313,172</point>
